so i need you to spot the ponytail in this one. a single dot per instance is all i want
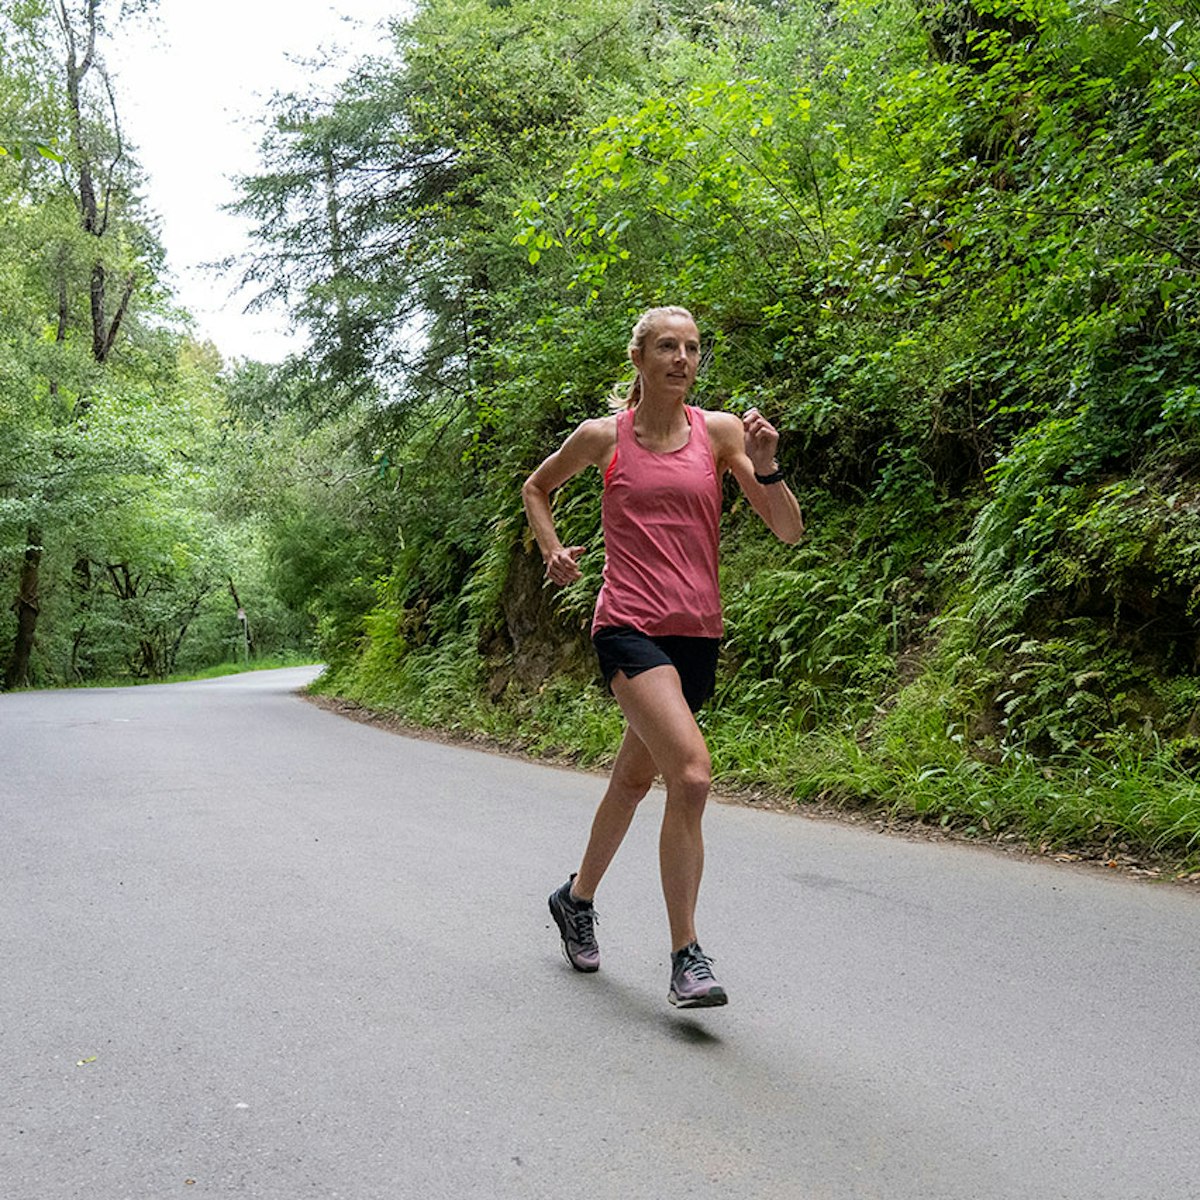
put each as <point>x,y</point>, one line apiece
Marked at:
<point>625,394</point>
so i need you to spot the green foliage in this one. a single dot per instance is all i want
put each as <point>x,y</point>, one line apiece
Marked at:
<point>810,641</point>
<point>951,249</point>
<point>115,537</point>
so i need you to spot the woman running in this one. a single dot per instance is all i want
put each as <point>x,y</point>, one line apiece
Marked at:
<point>658,624</point>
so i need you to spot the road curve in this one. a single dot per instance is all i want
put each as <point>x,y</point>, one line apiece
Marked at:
<point>250,948</point>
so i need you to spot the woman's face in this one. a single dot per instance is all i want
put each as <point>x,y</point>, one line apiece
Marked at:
<point>669,356</point>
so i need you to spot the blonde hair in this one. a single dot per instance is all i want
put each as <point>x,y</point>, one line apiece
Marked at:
<point>627,393</point>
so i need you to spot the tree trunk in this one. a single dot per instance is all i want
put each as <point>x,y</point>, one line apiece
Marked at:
<point>93,208</point>
<point>26,608</point>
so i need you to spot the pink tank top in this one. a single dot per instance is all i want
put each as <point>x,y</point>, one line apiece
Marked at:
<point>661,516</point>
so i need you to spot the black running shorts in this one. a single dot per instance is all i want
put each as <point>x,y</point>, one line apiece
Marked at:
<point>620,648</point>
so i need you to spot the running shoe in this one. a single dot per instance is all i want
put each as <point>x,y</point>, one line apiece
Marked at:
<point>692,982</point>
<point>576,921</point>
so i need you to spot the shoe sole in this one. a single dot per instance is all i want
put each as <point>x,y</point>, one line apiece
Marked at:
<point>713,1000</point>
<point>562,933</point>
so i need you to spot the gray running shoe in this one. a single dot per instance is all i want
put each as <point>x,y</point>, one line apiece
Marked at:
<point>692,982</point>
<point>576,921</point>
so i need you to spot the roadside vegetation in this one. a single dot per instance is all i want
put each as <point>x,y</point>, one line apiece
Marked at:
<point>135,529</point>
<point>262,662</point>
<point>952,249</point>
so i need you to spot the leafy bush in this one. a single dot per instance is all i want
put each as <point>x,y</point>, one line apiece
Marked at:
<point>950,249</point>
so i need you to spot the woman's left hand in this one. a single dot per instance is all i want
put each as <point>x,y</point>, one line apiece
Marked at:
<point>762,440</point>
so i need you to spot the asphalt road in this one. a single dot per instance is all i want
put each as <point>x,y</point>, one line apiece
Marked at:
<point>250,948</point>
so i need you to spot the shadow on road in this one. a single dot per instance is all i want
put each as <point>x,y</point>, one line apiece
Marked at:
<point>626,1003</point>
<point>690,1031</point>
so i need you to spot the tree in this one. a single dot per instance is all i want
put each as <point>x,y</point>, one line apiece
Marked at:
<point>99,178</point>
<point>952,247</point>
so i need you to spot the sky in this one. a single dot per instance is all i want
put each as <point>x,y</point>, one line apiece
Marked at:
<point>192,86</point>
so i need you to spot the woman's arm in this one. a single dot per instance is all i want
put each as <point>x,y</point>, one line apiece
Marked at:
<point>591,445</point>
<point>746,446</point>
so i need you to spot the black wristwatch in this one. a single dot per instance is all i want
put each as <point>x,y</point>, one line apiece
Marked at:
<point>776,476</point>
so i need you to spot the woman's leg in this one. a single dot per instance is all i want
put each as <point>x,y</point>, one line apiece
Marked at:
<point>666,729</point>
<point>632,776</point>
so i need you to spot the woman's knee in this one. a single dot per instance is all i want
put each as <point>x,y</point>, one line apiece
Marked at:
<point>690,782</point>
<point>630,786</point>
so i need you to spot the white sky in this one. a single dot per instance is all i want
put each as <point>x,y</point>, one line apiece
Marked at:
<point>191,87</point>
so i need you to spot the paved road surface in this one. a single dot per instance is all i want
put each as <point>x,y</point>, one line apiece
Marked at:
<point>298,956</point>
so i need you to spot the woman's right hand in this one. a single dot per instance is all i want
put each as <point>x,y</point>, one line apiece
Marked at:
<point>562,566</point>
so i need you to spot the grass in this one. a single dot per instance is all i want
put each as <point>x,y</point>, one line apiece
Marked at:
<point>565,720</point>
<point>1127,803</point>
<point>1124,802</point>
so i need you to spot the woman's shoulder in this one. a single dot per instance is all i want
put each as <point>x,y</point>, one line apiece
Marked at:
<point>720,423</point>
<point>608,421</point>
<point>718,414</point>
<point>725,436</point>
<point>596,437</point>
<point>598,428</point>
